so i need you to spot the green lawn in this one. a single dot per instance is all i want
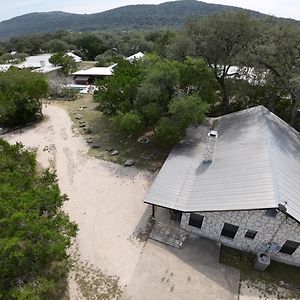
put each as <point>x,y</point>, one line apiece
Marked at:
<point>107,136</point>
<point>274,274</point>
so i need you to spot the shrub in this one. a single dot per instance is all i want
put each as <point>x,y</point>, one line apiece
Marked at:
<point>168,133</point>
<point>20,97</point>
<point>129,123</point>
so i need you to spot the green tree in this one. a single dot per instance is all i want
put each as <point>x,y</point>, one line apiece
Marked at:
<point>188,110</point>
<point>56,45</point>
<point>157,93</point>
<point>222,40</point>
<point>90,45</point>
<point>20,97</point>
<point>278,51</point>
<point>68,63</point>
<point>34,231</point>
<point>168,133</point>
<point>129,123</point>
<point>117,93</point>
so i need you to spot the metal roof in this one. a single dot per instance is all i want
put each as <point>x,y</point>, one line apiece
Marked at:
<point>96,71</point>
<point>5,67</point>
<point>256,165</point>
<point>74,56</point>
<point>36,61</point>
<point>136,56</point>
<point>47,69</point>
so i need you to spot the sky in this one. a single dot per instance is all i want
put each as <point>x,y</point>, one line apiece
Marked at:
<point>12,8</point>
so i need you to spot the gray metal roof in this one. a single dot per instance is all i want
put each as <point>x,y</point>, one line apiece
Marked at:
<point>256,165</point>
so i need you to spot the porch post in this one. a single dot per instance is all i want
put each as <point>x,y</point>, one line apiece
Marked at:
<point>153,211</point>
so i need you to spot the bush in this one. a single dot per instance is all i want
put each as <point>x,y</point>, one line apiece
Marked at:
<point>152,112</point>
<point>58,91</point>
<point>168,133</point>
<point>129,123</point>
<point>188,110</point>
<point>20,97</point>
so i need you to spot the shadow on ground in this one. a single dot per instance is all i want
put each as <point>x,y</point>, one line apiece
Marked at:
<point>192,272</point>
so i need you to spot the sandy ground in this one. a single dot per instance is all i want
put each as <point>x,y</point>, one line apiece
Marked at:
<point>105,198</point>
<point>190,273</point>
<point>106,201</point>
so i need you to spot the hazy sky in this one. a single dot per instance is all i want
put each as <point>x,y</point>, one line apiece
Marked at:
<point>12,8</point>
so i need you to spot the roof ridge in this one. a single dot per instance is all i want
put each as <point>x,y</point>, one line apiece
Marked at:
<point>275,179</point>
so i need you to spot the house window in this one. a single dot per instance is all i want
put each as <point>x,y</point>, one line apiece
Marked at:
<point>229,230</point>
<point>250,234</point>
<point>289,247</point>
<point>272,212</point>
<point>196,220</point>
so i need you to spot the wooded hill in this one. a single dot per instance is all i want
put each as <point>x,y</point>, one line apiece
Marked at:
<point>168,15</point>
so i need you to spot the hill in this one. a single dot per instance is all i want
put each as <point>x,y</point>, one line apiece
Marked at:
<point>169,14</point>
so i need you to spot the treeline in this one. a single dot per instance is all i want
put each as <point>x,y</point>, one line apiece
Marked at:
<point>252,61</point>
<point>34,231</point>
<point>102,46</point>
<point>231,62</point>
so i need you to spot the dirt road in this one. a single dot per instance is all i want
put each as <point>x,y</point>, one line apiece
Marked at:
<point>105,199</point>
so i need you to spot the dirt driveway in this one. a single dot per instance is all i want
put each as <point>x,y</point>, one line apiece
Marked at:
<point>106,201</point>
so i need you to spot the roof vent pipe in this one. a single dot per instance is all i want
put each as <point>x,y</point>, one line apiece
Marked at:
<point>210,146</point>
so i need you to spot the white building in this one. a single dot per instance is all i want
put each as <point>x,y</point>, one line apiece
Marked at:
<point>88,76</point>
<point>77,58</point>
<point>36,61</point>
<point>136,56</point>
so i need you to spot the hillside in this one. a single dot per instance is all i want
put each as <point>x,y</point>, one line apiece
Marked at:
<point>169,14</point>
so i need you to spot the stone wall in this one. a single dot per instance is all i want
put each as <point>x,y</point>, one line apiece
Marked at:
<point>272,233</point>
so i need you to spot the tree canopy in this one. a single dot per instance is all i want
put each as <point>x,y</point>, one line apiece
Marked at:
<point>34,231</point>
<point>20,97</point>
<point>61,59</point>
<point>161,94</point>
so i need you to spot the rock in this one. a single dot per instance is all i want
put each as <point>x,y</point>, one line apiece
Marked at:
<point>87,130</point>
<point>114,153</point>
<point>95,146</point>
<point>129,163</point>
<point>81,125</point>
<point>3,131</point>
<point>89,140</point>
<point>109,149</point>
<point>78,117</point>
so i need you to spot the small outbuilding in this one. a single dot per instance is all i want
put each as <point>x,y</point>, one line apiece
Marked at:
<point>89,76</point>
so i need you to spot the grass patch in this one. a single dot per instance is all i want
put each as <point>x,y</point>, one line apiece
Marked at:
<point>274,274</point>
<point>86,65</point>
<point>105,135</point>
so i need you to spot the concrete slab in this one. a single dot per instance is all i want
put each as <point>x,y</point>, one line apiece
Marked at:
<point>192,272</point>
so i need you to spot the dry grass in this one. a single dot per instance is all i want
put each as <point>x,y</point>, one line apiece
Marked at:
<point>94,284</point>
<point>105,135</point>
<point>86,64</point>
<point>276,277</point>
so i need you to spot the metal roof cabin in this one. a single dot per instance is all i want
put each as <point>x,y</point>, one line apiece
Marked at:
<point>256,165</point>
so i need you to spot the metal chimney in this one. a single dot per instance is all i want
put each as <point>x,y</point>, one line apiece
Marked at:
<point>210,146</point>
<point>43,63</point>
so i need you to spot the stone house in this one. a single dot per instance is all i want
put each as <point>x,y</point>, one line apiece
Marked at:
<point>237,181</point>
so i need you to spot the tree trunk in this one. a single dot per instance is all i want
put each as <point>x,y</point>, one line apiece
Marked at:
<point>294,110</point>
<point>225,99</point>
<point>295,95</point>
